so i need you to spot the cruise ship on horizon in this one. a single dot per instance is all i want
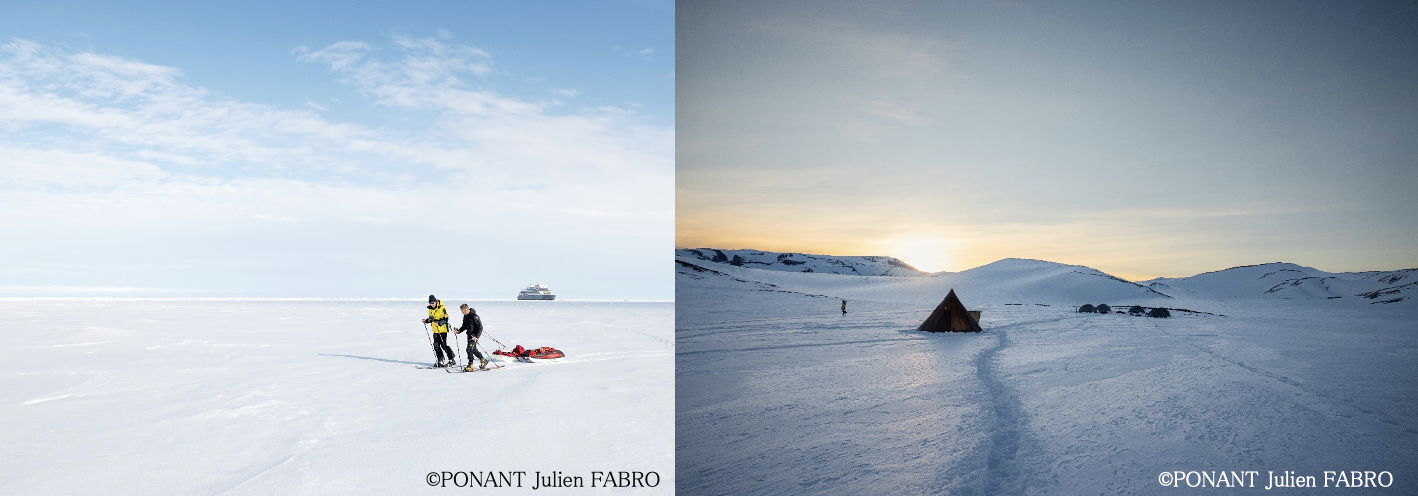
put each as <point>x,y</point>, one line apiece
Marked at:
<point>536,291</point>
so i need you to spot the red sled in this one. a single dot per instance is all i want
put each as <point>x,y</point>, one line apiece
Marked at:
<point>545,353</point>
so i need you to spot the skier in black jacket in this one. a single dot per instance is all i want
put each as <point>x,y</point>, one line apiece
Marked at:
<point>474,326</point>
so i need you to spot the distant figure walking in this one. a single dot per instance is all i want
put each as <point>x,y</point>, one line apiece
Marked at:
<point>844,307</point>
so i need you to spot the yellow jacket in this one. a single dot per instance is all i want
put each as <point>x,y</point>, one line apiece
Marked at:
<point>438,316</point>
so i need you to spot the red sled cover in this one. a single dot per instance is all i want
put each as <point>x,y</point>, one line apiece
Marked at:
<point>545,353</point>
<point>516,352</point>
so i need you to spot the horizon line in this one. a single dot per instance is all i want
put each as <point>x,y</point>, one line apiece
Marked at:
<point>318,298</point>
<point>1050,261</point>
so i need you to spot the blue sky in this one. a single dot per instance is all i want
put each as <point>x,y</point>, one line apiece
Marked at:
<point>336,149</point>
<point>1143,139</point>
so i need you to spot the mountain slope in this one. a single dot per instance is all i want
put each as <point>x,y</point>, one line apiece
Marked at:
<point>801,262</point>
<point>1290,281</point>
<point>1034,281</point>
<point>1006,281</point>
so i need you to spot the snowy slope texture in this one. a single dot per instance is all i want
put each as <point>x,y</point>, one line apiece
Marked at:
<point>800,262</point>
<point>1290,281</point>
<point>1043,281</point>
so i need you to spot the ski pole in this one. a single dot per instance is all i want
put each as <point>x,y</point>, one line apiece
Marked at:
<point>486,354</point>
<point>457,350</point>
<point>430,341</point>
<point>499,343</point>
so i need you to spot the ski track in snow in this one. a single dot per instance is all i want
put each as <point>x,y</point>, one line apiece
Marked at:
<point>258,475</point>
<point>1385,416</point>
<point>1003,465</point>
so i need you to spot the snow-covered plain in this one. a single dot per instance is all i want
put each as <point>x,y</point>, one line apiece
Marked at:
<point>779,393</point>
<point>204,396</point>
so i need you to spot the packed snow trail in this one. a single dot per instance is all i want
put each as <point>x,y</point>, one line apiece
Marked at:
<point>1003,474</point>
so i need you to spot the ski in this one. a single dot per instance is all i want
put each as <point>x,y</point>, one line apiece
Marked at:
<point>462,371</point>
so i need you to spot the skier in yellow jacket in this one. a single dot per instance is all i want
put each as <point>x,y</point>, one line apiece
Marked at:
<point>438,316</point>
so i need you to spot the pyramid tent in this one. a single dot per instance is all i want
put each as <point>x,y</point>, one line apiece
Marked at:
<point>951,316</point>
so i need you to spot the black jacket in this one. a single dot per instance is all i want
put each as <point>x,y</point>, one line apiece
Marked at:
<point>472,325</point>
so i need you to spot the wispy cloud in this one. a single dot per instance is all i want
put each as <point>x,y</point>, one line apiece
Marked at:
<point>895,113</point>
<point>505,139</point>
<point>87,118</point>
<point>646,53</point>
<point>126,109</point>
<point>882,52</point>
<point>96,141</point>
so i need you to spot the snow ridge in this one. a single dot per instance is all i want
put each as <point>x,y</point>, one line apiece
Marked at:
<point>1119,279</point>
<point>801,262</point>
<point>1043,281</point>
<point>1290,281</point>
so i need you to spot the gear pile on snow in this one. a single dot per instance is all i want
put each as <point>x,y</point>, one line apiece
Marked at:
<point>544,353</point>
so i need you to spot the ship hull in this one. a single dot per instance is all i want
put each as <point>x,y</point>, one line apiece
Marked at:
<point>536,297</point>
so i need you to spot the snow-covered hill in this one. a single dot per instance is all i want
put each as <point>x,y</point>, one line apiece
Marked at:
<point>1038,281</point>
<point>1026,280</point>
<point>1285,280</point>
<point>800,262</point>
<point>1011,280</point>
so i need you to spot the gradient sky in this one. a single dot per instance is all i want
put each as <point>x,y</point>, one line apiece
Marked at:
<point>336,149</point>
<point>1144,139</point>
